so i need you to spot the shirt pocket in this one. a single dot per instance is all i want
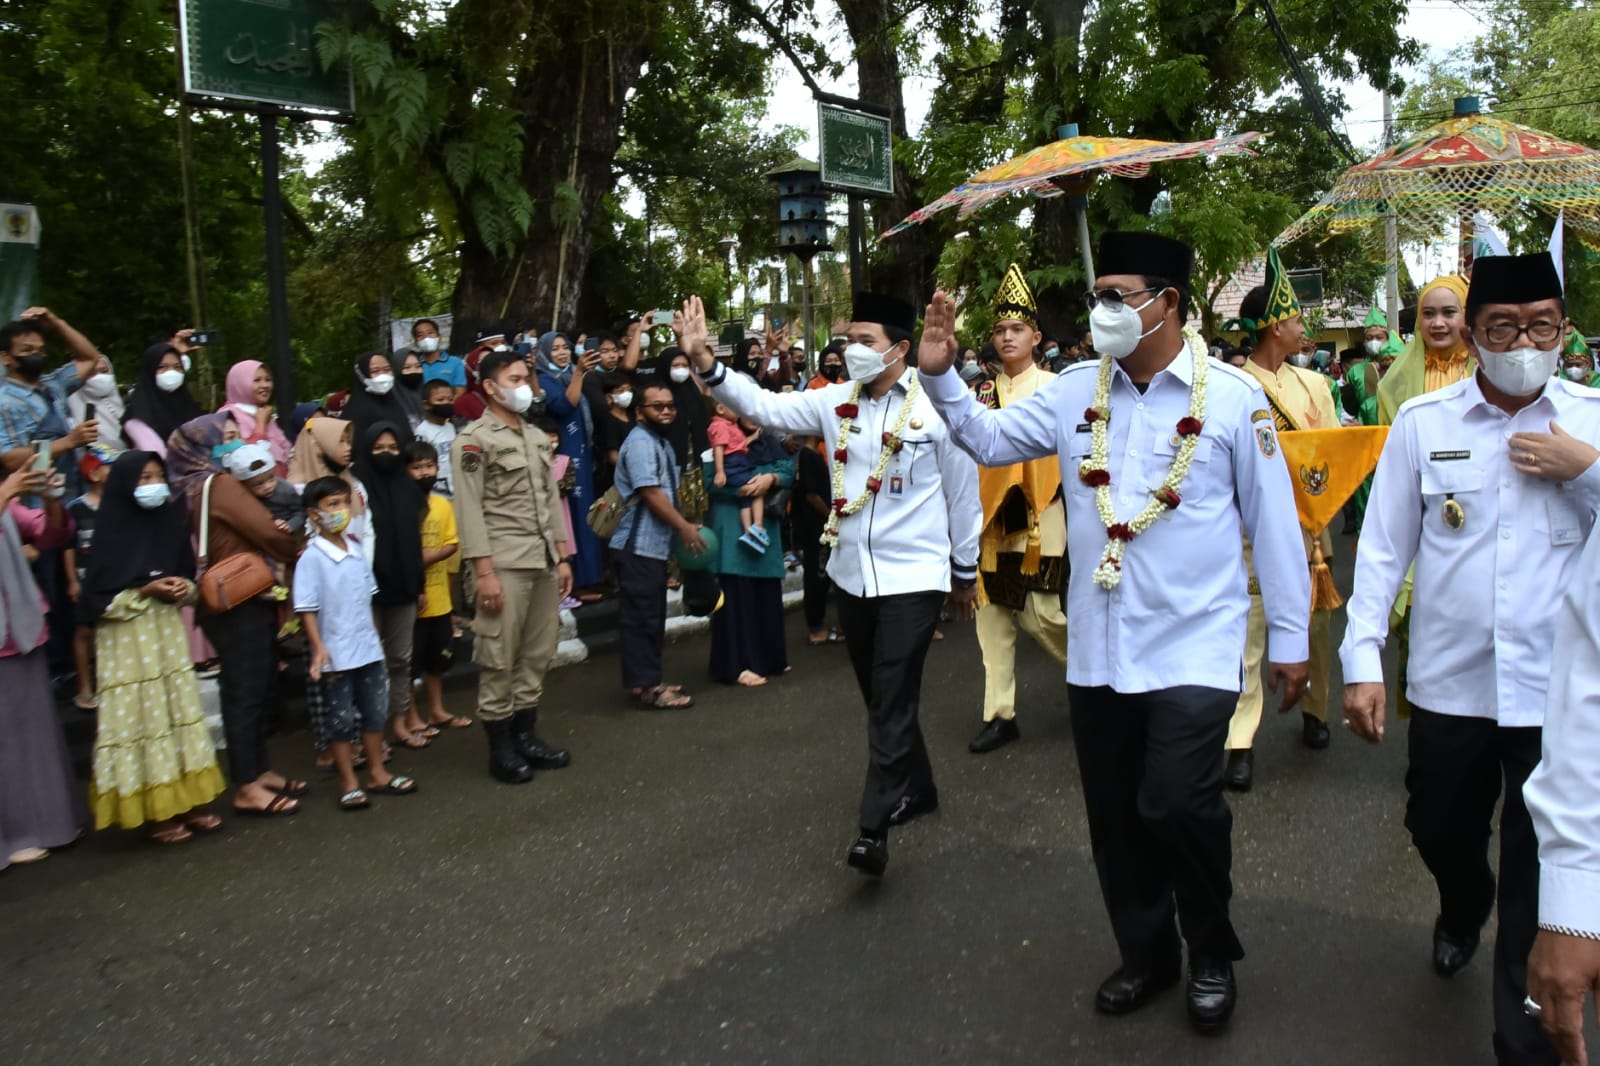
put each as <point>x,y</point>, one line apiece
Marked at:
<point>1164,451</point>
<point>1079,445</point>
<point>1452,481</point>
<point>918,460</point>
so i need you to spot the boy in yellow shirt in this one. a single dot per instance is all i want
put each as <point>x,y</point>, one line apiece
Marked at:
<point>431,646</point>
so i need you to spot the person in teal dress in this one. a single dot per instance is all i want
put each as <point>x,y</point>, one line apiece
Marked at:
<point>747,631</point>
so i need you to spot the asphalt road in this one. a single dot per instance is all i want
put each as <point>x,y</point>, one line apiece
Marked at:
<point>678,896</point>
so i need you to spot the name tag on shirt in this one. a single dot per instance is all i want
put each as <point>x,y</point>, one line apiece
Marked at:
<point>1083,427</point>
<point>897,486</point>
<point>1449,457</point>
<point>1565,528</point>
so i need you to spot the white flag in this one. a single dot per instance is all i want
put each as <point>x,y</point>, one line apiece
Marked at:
<point>1485,239</point>
<point>1558,247</point>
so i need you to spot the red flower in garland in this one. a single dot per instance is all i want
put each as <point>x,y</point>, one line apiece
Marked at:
<point>892,442</point>
<point>839,504</point>
<point>1095,478</point>
<point>1168,497</point>
<point>874,484</point>
<point>847,410</point>
<point>1091,414</point>
<point>1119,531</point>
<point>1189,426</point>
<point>841,456</point>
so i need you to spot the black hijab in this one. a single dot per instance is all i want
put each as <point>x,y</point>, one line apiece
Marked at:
<point>688,431</point>
<point>148,543</point>
<point>364,410</point>
<point>396,506</point>
<point>747,359</point>
<point>162,411</point>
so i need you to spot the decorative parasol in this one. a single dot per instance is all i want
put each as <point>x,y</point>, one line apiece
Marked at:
<point>1039,170</point>
<point>1446,173</point>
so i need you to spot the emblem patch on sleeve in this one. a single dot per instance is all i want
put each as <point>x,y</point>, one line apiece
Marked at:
<point>1261,415</point>
<point>471,458</point>
<point>1267,441</point>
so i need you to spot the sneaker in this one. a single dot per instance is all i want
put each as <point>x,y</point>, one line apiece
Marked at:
<point>760,533</point>
<point>750,541</point>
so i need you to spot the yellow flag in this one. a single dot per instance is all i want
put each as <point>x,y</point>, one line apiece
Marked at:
<point>1327,466</point>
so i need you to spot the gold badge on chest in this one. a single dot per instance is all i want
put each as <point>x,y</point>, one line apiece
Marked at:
<point>916,423</point>
<point>1454,515</point>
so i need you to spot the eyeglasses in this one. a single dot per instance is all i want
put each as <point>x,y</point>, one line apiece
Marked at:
<point>659,406</point>
<point>1110,297</point>
<point>1506,333</point>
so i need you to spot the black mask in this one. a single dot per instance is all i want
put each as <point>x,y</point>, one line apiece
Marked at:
<point>31,365</point>
<point>832,372</point>
<point>385,462</point>
<point>442,410</point>
<point>426,484</point>
<point>411,379</point>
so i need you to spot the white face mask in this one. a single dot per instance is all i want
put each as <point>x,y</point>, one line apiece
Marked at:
<point>864,363</point>
<point>1576,373</point>
<point>516,400</point>
<point>1373,347</point>
<point>428,345</point>
<point>1300,359</point>
<point>379,384</point>
<point>99,386</point>
<point>644,340</point>
<point>622,399</point>
<point>152,496</point>
<point>187,363</point>
<point>679,374</point>
<point>169,380</point>
<point>1521,371</point>
<point>1118,330</point>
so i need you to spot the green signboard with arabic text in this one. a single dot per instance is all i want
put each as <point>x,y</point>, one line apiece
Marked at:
<point>857,151</point>
<point>261,51</point>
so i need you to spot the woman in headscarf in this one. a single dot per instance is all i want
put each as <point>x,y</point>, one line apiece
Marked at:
<point>1437,354</point>
<point>408,388</point>
<point>98,398</point>
<point>40,803</point>
<point>749,359</point>
<point>560,378</point>
<point>687,433</point>
<point>324,449</point>
<point>153,756</point>
<point>249,391</point>
<point>396,507</point>
<point>373,400</point>
<point>747,631</point>
<point>195,450</point>
<point>160,401</point>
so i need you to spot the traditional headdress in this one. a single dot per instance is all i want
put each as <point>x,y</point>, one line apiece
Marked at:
<point>884,310</point>
<point>1281,302</point>
<point>1375,317</point>
<point>1014,299</point>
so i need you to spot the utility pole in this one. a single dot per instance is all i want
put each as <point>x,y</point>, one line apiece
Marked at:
<point>1391,233</point>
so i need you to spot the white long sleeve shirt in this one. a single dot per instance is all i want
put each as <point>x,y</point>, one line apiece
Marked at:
<point>1563,795</point>
<point>924,522</point>
<point>1484,596</point>
<point>1178,615</point>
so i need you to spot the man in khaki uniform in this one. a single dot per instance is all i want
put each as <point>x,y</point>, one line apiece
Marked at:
<point>1298,398</point>
<point>1024,528</point>
<point>514,545</point>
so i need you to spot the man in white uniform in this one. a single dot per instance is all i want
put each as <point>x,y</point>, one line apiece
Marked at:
<point>1489,489</point>
<point>903,534</point>
<point>1163,454</point>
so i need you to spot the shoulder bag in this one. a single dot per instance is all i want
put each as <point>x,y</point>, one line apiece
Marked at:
<point>236,579</point>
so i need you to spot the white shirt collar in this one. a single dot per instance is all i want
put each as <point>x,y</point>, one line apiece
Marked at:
<point>332,550</point>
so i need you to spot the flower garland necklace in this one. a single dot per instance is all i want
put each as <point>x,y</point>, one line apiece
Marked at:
<point>1096,472</point>
<point>892,444</point>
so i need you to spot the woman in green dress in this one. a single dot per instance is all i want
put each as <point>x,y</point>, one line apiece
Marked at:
<point>154,763</point>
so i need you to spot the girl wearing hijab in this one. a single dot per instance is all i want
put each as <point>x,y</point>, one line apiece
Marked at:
<point>99,399</point>
<point>249,391</point>
<point>396,507</point>
<point>749,359</point>
<point>40,804</point>
<point>560,378</point>
<point>324,449</point>
<point>153,756</point>
<point>409,388</point>
<point>373,400</point>
<point>1437,354</point>
<point>160,401</point>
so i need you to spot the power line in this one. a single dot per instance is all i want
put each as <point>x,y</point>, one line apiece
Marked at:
<point>1308,88</point>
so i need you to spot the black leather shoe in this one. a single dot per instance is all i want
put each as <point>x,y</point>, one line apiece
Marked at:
<point>911,807</point>
<point>869,854</point>
<point>505,763</point>
<point>1240,774</point>
<point>1212,993</point>
<point>995,734</point>
<point>1313,732</point>
<point>1128,990</point>
<point>535,752</point>
<point>1451,953</point>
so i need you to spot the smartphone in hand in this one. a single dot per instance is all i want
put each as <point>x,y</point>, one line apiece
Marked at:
<point>662,318</point>
<point>41,456</point>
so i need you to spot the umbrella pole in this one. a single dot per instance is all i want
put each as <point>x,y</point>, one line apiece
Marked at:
<point>1080,209</point>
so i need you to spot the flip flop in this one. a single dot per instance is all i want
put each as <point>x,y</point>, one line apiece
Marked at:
<point>199,823</point>
<point>455,721</point>
<point>398,785</point>
<point>177,834</point>
<point>86,704</point>
<point>294,789</point>
<point>664,698</point>
<point>414,741</point>
<point>354,800</point>
<point>281,805</point>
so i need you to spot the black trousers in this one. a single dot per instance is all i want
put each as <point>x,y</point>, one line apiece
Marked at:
<point>246,643</point>
<point>1453,781</point>
<point>888,638</point>
<point>642,630</point>
<point>1151,765</point>
<point>817,582</point>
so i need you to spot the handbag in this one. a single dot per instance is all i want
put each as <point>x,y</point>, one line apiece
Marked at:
<point>605,514</point>
<point>238,578</point>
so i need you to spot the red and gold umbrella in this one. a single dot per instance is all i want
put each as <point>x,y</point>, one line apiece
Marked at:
<point>1472,162</point>
<point>1039,170</point>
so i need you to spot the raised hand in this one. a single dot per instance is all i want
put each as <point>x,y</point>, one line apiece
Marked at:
<point>694,332</point>
<point>937,352</point>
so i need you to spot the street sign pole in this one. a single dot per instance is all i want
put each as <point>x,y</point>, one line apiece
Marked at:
<point>277,290</point>
<point>858,253</point>
<point>857,159</point>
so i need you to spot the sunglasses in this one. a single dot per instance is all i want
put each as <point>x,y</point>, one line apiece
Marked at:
<point>1111,297</point>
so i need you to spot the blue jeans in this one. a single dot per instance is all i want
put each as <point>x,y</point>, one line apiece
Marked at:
<point>347,703</point>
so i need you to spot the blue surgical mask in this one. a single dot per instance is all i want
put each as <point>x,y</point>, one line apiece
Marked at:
<point>225,447</point>
<point>151,497</point>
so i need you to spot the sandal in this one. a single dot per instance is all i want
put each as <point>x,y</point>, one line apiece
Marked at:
<point>398,785</point>
<point>663,698</point>
<point>455,721</point>
<point>202,823</point>
<point>414,741</point>
<point>832,636</point>
<point>354,800</point>
<point>750,679</point>
<point>282,804</point>
<point>176,834</point>
<point>86,704</point>
<point>294,789</point>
